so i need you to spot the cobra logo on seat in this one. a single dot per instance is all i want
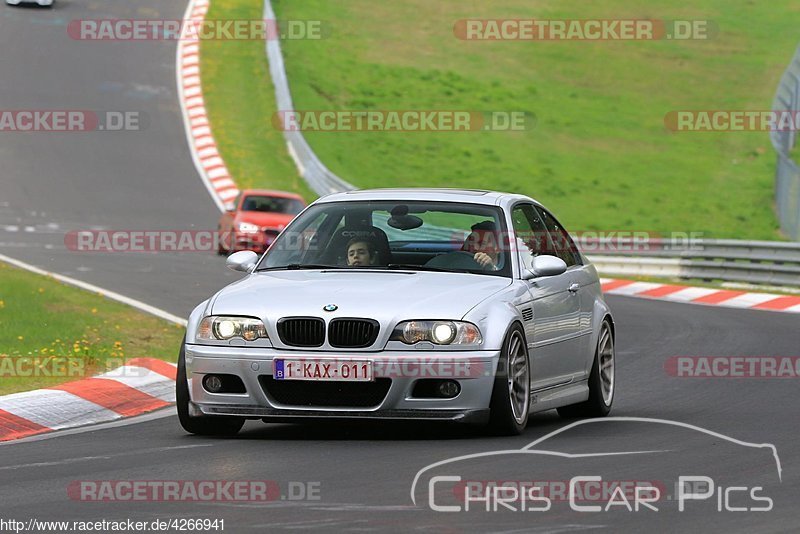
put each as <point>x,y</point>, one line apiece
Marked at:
<point>359,233</point>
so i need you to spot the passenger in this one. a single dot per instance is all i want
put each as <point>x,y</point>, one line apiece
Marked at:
<point>361,252</point>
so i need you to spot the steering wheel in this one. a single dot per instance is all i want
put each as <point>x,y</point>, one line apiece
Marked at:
<point>458,259</point>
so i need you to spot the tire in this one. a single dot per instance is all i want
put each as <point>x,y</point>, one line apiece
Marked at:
<point>601,380</point>
<point>511,394</point>
<point>204,425</point>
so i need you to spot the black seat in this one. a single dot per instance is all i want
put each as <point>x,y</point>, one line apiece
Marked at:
<point>336,253</point>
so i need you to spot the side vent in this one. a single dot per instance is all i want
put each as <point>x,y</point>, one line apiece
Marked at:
<point>527,314</point>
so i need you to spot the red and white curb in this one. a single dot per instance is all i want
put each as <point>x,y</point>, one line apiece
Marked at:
<point>142,385</point>
<point>206,157</point>
<point>701,295</point>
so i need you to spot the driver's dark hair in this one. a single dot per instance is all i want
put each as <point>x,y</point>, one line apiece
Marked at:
<point>360,239</point>
<point>483,233</point>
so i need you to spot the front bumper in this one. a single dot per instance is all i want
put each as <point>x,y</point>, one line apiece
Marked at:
<point>43,3</point>
<point>473,370</point>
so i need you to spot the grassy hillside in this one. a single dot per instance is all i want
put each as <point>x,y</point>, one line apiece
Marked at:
<point>240,100</point>
<point>52,333</point>
<point>599,155</point>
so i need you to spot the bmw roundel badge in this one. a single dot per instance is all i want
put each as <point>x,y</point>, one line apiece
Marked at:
<point>330,307</point>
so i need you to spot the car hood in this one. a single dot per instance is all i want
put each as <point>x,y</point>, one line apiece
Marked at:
<point>387,296</point>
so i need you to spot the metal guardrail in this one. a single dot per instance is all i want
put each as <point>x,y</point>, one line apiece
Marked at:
<point>755,262</point>
<point>760,262</point>
<point>787,176</point>
<point>318,176</point>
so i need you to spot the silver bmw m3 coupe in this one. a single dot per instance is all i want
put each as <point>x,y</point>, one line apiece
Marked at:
<point>422,304</point>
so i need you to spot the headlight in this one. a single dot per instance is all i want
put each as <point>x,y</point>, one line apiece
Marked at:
<point>438,332</point>
<point>221,328</point>
<point>248,228</point>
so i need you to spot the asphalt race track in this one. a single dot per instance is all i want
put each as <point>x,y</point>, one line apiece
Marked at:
<point>57,182</point>
<point>360,475</point>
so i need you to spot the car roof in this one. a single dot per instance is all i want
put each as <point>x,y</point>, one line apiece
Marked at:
<point>471,196</point>
<point>271,193</point>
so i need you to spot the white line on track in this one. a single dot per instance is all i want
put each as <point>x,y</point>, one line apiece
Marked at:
<point>160,414</point>
<point>139,305</point>
<point>67,461</point>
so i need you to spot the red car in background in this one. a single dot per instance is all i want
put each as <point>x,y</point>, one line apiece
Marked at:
<point>256,219</point>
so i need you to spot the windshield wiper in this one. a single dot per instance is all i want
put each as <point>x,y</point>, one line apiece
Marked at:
<point>413,267</point>
<point>300,266</point>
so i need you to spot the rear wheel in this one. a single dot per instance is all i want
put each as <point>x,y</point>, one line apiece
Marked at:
<point>601,379</point>
<point>511,395</point>
<point>202,425</point>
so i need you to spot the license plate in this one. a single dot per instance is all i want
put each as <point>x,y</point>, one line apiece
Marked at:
<point>333,370</point>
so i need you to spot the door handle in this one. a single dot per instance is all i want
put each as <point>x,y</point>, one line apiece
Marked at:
<point>573,288</point>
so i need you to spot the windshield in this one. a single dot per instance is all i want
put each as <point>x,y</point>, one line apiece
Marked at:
<point>290,206</point>
<point>424,236</point>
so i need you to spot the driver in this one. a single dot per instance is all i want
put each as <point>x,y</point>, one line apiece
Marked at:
<point>483,243</point>
<point>361,252</point>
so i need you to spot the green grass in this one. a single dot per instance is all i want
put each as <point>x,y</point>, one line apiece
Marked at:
<point>240,100</point>
<point>70,332</point>
<point>600,155</point>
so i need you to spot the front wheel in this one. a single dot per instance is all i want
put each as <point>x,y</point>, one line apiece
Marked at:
<point>601,380</point>
<point>511,395</point>
<point>203,425</point>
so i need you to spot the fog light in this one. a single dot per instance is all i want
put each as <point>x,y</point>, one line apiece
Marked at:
<point>449,388</point>
<point>212,383</point>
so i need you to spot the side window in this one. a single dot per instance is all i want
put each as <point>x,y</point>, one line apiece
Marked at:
<point>564,246</point>
<point>531,234</point>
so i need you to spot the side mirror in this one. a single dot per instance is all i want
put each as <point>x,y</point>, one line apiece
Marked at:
<point>545,266</point>
<point>244,261</point>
